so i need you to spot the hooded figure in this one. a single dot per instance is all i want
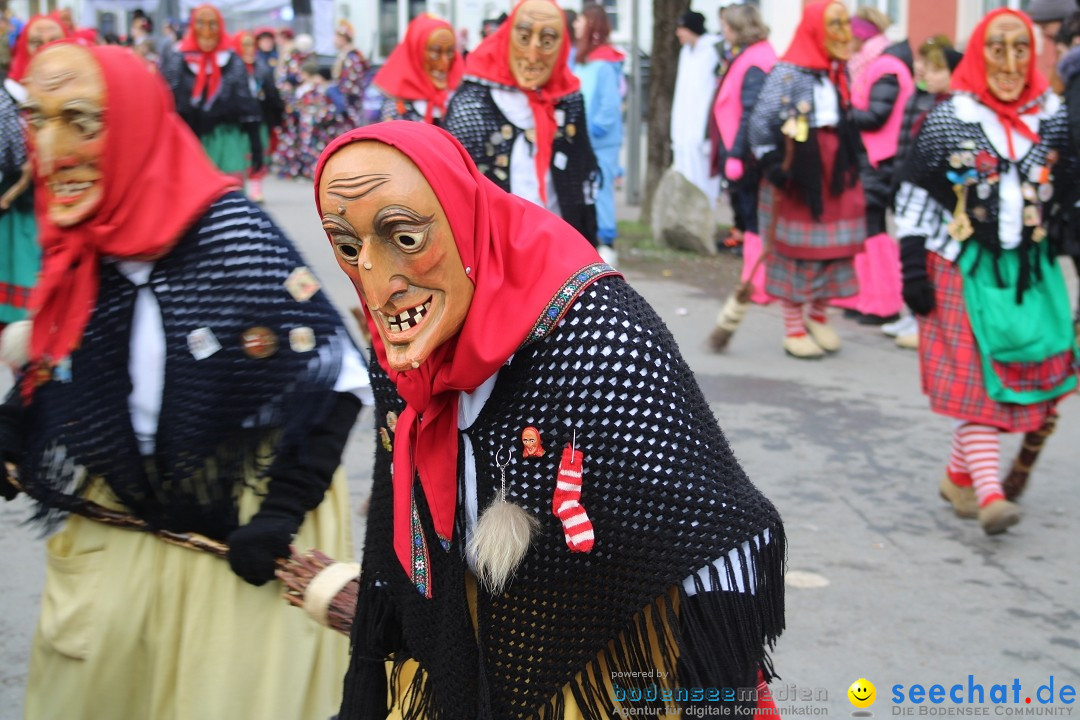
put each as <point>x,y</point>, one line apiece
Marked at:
<point>475,299</point>
<point>812,206</point>
<point>521,116</point>
<point>979,215</point>
<point>212,94</point>
<point>695,86</point>
<point>183,369</point>
<point>422,73</point>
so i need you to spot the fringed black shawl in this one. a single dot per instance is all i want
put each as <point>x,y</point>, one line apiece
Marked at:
<point>666,497</point>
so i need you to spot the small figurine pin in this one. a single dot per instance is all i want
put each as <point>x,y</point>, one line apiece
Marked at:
<point>531,444</point>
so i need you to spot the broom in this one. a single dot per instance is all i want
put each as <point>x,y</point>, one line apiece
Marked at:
<point>297,572</point>
<point>734,309</point>
<point>1016,481</point>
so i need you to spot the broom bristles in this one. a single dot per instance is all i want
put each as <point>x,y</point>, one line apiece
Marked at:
<point>731,316</point>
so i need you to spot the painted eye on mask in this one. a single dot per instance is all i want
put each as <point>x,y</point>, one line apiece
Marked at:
<point>410,242</point>
<point>348,250</point>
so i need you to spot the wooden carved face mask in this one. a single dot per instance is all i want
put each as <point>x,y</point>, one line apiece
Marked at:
<point>438,56</point>
<point>65,116</point>
<point>392,238</point>
<point>535,42</point>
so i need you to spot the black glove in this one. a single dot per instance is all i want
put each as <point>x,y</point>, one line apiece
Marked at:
<point>10,441</point>
<point>299,479</point>
<point>918,291</point>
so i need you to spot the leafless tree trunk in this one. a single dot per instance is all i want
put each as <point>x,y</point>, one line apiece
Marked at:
<point>662,69</point>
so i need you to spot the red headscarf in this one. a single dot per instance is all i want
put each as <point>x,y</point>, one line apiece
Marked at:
<point>520,255</point>
<point>238,47</point>
<point>20,59</point>
<point>807,48</point>
<point>491,61</point>
<point>208,70</point>
<point>157,182</point>
<point>403,76</point>
<point>970,76</point>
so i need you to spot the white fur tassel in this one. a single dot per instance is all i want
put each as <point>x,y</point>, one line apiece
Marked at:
<point>15,344</point>
<point>499,544</point>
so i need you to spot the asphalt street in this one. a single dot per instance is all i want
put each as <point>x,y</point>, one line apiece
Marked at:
<point>884,582</point>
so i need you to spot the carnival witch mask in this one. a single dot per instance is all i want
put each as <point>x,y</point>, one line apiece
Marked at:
<point>535,41</point>
<point>64,114</point>
<point>207,29</point>
<point>392,238</point>
<point>247,48</point>
<point>1007,53</point>
<point>837,32</point>
<point>438,56</point>
<point>42,32</point>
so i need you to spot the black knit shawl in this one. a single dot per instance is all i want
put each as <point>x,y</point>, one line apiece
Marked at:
<point>12,151</point>
<point>666,497</point>
<point>787,89</point>
<point>228,274</point>
<point>233,104</point>
<point>944,136</point>
<point>478,124</point>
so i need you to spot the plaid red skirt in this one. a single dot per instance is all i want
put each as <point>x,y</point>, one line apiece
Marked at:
<point>951,366</point>
<point>801,281</point>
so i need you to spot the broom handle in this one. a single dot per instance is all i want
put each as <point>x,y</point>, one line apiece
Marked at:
<point>107,516</point>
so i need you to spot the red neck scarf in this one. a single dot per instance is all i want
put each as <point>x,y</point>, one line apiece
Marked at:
<point>808,49</point>
<point>521,256</point>
<point>157,181</point>
<point>20,59</point>
<point>603,52</point>
<point>491,61</point>
<point>403,76</point>
<point>970,76</point>
<point>208,72</point>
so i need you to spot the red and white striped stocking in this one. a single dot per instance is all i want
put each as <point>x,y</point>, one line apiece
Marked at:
<point>958,467</point>
<point>566,503</point>
<point>793,318</point>
<point>981,445</point>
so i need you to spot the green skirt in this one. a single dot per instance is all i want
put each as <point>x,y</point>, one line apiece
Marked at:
<point>20,260</point>
<point>228,147</point>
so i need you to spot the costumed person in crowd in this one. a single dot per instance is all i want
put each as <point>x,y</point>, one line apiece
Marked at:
<point>1069,75</point>
<point>20,255</point>
<point>319,119</point>
<point>806,141</point>
<point>695,86</point>
<point>599,67</point>
<point>421,73</point>
<point>478,302</point>
<point>266,47</point>
<point>212,94</point>
<point>881,84</point>
<point>349,74</point>
<point>753,57</point>
<point>934,64</point>
<point>40,30</point>
<point>263,89</point>
<point>287,154</point>
<point>520,114</point>
<point>980,193</point>
<point>183,370</point>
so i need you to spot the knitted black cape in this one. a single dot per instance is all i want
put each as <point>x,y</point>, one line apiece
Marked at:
<point>666,497</point>
<point>226,275</point>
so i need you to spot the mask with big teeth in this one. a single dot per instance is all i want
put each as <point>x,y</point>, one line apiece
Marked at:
<point>535,41</point>
<point>380,212</point>
<point>65,116</point>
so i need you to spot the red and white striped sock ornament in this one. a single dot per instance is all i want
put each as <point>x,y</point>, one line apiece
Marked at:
<point>566,503</point>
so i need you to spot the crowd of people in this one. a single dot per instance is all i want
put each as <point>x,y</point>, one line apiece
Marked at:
<point>470,201</point>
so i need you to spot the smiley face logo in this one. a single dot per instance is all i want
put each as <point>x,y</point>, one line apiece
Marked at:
<point>862,693</point>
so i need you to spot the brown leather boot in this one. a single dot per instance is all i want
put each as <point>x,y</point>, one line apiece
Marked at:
<point>999,516</point>
<point>962,498</point>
